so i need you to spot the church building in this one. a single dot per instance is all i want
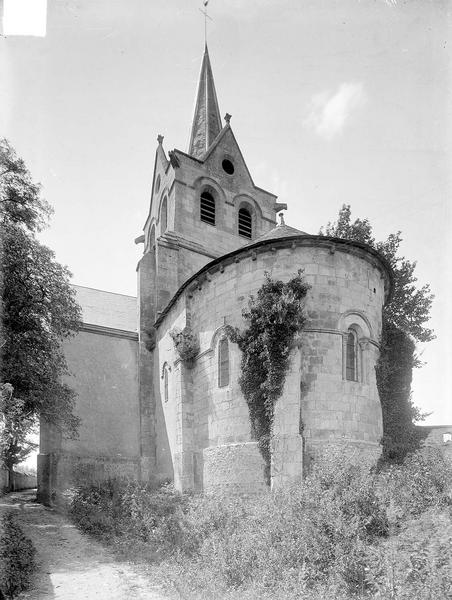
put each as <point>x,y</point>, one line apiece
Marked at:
<point>210,237</point>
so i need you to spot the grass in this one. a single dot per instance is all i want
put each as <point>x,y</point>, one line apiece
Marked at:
<point>17,554</point>
<point>345,533</point>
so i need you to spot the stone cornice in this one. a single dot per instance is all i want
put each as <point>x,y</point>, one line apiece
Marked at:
<point>295,241</point>
<point>109,331</point>
<point>175,241</point>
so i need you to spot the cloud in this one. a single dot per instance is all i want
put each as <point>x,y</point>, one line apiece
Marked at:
<point>329,112</point>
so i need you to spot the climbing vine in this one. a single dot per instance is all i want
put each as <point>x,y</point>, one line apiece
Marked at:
<point>186,344</point>
<point>274,317</point>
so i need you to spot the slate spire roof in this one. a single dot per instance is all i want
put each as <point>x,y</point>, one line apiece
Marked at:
<point>206,120</point>
<point>280,231</point>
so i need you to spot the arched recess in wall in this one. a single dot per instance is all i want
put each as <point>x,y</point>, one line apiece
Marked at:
<point>357,316</point>
<point>217,334</point>
<point>208,206</point>
<point>207,185</point>
<point>221,351</point>
<point>152,239</point>
<point>223,362</point>
<point>352,355</point>
<point>166,369</point>
<point>163,215</point>
<point>356,335</point>
<point>248,214</point>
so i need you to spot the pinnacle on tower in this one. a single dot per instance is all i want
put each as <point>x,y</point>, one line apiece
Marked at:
<point>206,120</point>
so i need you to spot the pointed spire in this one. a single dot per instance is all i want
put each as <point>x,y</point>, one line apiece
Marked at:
<point>206,120</point>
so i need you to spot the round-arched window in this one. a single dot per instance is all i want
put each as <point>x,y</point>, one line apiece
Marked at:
<point>223,362</point>
<point>351,366</point>
<point>152,239</point>
<point>245,223</point>
<point>207,207</point>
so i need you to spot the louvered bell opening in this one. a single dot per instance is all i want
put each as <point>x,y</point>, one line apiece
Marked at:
<point>207,208</point>
<point>245,224</point>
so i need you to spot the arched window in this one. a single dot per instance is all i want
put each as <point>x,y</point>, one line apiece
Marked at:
<point>351,365</point>
<point>245,223</point>
<point>223,362</point>
<point>152,239</point>
<point>207,208</point>
<point>165,383</point>
<point>164,216</point>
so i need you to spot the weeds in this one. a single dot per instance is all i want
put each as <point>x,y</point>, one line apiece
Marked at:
<point>345,533</point>
<point>16,558</point>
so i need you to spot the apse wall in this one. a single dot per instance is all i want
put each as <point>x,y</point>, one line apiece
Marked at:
<point>319,406</point>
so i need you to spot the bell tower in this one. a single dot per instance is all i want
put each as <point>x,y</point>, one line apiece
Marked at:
<point>204,204</point>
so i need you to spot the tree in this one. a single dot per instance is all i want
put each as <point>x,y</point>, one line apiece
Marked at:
<point>405,320</point>
<point>38,307</point>
<point>15,427</point>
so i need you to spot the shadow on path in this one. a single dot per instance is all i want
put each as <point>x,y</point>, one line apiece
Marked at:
<point>70,564</point>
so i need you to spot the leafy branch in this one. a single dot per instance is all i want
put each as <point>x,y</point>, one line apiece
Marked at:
<point>274,318</point>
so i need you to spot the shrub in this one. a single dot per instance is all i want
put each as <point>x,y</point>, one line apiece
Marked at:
<point>423,482</point>
<point>129,514</point>
<point>16,558</point>
<point>344,533</point>
<point>96,508</point>
<point>416,563</point>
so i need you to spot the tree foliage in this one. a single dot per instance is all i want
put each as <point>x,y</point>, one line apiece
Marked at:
<point>15,427</point>
<point>274,317</point>
<point>405,320</point>
<point>38,304</point>
<point>409,309</point>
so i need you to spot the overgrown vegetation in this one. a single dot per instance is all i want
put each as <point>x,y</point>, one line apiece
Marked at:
<point>16,558</point>
<point>38,311</point>
<point>274,317</point>
<point>345,533</point>
<point>404,323</point>
<point>186,344</point>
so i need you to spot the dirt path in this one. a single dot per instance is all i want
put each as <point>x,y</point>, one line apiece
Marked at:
<point>72,565</point>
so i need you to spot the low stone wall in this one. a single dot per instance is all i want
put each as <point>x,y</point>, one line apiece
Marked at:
<point>58,473</point>
<point>233,469</point>
<point>24,481</point>
<point>365,454</point>
<point>438,436</point>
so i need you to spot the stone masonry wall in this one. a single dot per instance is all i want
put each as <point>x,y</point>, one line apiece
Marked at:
<point>318,407</point>
<point>104,376</point>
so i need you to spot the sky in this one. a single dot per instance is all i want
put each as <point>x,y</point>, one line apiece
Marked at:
<point>332,102</point>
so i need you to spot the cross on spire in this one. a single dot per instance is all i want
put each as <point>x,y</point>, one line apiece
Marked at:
<point>206,16</point>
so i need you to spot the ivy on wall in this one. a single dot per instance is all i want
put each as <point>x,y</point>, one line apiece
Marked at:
<point>274,317</point>
<point>186,344</point>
